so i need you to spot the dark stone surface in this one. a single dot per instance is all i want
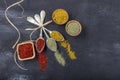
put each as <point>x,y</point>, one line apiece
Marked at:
<point>97,47</point>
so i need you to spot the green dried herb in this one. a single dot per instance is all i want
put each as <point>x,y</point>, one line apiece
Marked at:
<point>51,44</point>
<point>59,58</point>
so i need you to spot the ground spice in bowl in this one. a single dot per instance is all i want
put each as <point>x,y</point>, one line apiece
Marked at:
<point>25,50</point>
<point>60,16</point>
<point>73,28</point>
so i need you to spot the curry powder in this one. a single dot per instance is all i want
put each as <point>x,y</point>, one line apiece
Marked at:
<point>67,46</point>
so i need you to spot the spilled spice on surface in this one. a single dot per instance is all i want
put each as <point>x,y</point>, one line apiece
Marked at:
<point>42,60</point>
<point>67,46</point>
<point>60,58</point>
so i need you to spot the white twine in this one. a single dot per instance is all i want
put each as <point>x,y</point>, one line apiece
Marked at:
<point>17,62</point>
<point>10,22</point>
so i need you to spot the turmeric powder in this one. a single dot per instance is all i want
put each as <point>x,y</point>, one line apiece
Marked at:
<point>60,16</point>
<point>67,46</point>
<point>57,36</point>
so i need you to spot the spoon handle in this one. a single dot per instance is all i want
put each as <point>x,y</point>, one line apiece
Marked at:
<point>45,33</point>
<point>48,22</point>
<point>47,30</point>
<point>42,15</point>
<point>40,33</point>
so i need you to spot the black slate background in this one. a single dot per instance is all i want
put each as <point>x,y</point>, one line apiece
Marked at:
<point>97,47</point>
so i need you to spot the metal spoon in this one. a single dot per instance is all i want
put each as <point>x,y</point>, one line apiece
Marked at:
<point>57,33</point>
<point>37,18</point>
<point>40,41</point>
<point>42,16</point>
<point>50,42</point>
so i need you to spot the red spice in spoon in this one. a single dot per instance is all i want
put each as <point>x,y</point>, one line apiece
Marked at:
<point>40,43</point>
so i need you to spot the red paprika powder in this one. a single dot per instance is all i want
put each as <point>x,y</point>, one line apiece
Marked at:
<point>42,60</point>
<point>40,43</point>
<point>26,50</point>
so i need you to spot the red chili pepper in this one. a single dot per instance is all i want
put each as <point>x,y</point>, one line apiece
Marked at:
<point>42,60</point>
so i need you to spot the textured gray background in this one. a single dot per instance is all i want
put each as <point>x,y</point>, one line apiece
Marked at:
<point>97,48</point>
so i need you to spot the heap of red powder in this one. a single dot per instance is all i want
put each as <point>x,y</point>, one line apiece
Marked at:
<point>25,51</point>
<point>42,60</point>
<point>40,43</point>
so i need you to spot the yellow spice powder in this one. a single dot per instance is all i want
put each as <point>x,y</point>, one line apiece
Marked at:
<point>67,46</point>
<point>57,36</point>
<point>60,16</point>
<point>64,43</point>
